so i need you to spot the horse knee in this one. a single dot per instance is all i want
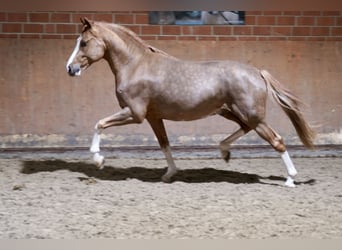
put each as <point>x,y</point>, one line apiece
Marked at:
<point>100,126</point>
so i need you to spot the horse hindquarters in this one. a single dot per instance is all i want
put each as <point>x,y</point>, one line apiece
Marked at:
<point>251,115</point>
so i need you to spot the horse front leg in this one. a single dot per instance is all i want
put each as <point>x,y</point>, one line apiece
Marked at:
<point>160,132</point>
<point>122,117</point>
<point>95,148</point>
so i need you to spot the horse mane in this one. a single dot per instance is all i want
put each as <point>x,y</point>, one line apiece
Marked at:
<point>128,34</point>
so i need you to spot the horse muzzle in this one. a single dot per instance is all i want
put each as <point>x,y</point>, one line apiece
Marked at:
<point>74,70</point>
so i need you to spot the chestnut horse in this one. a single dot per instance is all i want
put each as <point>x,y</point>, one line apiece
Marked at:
<point>152,85</point>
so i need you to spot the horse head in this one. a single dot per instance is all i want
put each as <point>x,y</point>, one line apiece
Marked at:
<point>89,48</point>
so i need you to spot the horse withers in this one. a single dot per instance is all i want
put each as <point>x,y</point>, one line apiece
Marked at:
<point>153,85</point>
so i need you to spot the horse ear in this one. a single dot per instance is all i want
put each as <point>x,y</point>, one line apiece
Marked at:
<point>86,23</point>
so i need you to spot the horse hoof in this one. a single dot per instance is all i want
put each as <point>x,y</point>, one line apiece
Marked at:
<point>290,182</point>
<point>100,160</point>
<point>226,156</point>
<point>166,179</point>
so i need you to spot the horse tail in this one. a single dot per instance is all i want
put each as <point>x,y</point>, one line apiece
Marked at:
<point>290,104</point>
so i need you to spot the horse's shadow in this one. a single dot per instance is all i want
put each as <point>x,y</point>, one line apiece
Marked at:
<point>148,174</point>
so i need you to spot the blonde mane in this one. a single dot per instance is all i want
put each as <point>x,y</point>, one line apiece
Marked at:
<point>132,38</point>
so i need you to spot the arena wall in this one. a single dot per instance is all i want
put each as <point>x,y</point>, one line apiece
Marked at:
<point>41,106</point>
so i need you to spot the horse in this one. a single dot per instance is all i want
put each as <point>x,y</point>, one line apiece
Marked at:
<point>153,85</point>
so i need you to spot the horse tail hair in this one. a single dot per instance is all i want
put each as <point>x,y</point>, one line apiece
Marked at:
<point>290,104</point>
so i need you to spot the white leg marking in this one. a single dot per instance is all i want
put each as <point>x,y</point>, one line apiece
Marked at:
<point>291,170</point>
<point>74,53</point>
<point>289,182</point>
<point>289,164</point>
<point>99,159</point>
<point>95,145</point>
<point>95,148</point>
<point>172,169</point>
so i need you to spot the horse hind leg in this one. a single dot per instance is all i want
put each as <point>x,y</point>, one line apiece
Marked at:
<point>268,134</point>
<point>226,143</point>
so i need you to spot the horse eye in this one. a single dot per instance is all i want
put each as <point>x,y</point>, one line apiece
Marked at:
<point>83,43</point>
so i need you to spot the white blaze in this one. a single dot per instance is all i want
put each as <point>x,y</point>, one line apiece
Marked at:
<point>74,53</point>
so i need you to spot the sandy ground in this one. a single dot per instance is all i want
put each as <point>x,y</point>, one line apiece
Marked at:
<point>209,199</point>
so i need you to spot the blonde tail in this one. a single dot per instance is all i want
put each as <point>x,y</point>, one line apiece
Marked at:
<point>290,104</point>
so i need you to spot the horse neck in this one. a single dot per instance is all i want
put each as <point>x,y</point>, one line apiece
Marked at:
<point>121,50</point>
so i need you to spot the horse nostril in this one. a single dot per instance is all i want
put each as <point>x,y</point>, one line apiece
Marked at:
<point>70,71</point>
<point>74,69</point>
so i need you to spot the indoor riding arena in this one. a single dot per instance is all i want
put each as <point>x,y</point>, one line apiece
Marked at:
<point>50,187</point>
